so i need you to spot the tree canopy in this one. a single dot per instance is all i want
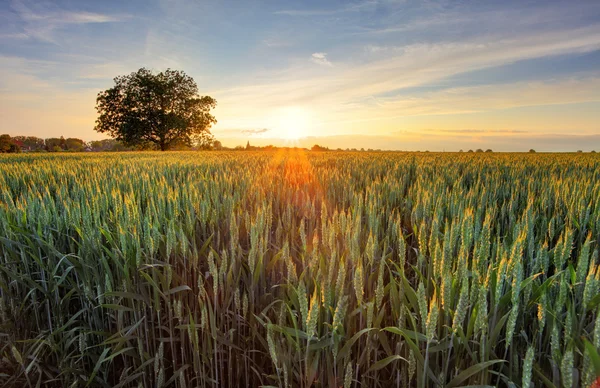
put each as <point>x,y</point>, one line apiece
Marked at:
<point>7,144</point>
<point>163,109</point>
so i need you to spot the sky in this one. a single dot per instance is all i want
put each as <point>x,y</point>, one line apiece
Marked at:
<point>383,74</point>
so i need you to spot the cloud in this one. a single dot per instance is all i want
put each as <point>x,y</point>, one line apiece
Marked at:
<point>254,131</point>
<point>324,12</point>
<point>423,64</point>
<point>320,59</point>
<point>416,140</point>
<point>468,132</point>
<point>243,132</point>
<point>41,20</point>
<point>275,42</point>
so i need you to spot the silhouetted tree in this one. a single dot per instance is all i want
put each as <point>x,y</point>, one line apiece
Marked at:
<point>162,109</point>
<point>532,151</point>
<point>317,147</point>
<point>204,141</point>
<point>489,150</point>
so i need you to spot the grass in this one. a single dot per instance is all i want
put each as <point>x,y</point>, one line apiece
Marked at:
<point>297,269</point>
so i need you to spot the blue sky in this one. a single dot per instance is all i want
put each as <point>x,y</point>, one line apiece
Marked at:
<point>411,75</point>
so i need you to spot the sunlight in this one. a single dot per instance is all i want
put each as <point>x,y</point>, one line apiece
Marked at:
<point>293,123</point>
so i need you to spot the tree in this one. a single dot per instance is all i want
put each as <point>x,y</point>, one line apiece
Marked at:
<point>532,151</point>
<point>317,147</point>
<point>75,145</point>
<point>7,144</point>
<point>204,141</point>
<point>162,109</point>
<point>30,143</point>
<point>106,145</point>
<point>54,144</point>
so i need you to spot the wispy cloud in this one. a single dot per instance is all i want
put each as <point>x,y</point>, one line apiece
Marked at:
<point>431,141</point>
<point>42,20</point>
<point>254,131</point>
<point>275,42</point>
<point>361,6</point>
<point>421,64</point>
<point>320,59</point>
<point>350,68</point>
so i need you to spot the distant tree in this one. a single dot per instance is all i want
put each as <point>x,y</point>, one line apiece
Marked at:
<point>248,146</point>
<point>104,145</point>
<point>579,151</point>
<point>8,145</point>
<point>317,147</point>
<point>162,109</point>
<point>593,152</point>
<point>479,150</point>
<point>532,151</point>
<point>489,150</point>
<point>30,143</point>
<point>217,145</point>
<point>54,144</point>
<point>470,151</point>
<point>460,150</point>
<point>75,145</point>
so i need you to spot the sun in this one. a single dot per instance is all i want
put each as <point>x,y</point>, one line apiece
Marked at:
<point>293,123</point>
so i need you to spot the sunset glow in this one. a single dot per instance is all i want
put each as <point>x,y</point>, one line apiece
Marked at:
<point>374,74</point>
<point>293,123</point>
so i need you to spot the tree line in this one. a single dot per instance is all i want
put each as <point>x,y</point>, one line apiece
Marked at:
<point>17,144</point>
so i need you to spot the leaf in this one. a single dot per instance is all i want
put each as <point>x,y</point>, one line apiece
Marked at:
<point>178,289</point>
<point>464,375</point>
<point>415,349</point>
<point>543,377</point>
<point>126,295</point>
<point>383,363</point>
<point>346,348</point>
<point>115,354</point>
<point>117,307</point>
<point>594,356</point>
<point>97,366</point>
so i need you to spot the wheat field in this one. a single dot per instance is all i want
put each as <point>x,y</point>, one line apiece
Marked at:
<point>299,269</point>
